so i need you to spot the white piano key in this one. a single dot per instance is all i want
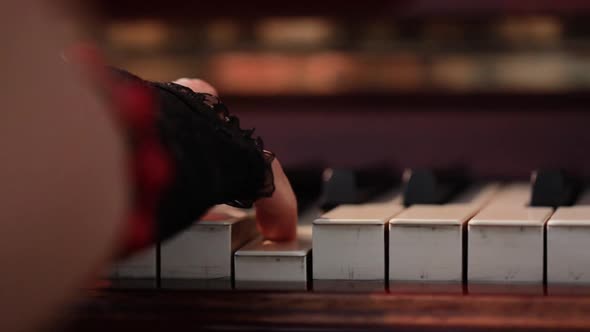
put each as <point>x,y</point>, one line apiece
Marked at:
<point>514,194</point>
<point>202,255</point>
<point>568,240</point>
<point>506,240</point>
<point>426,241</point>
<point>136,271</point>
<point>393,196</point>
<point>264,264</point>
<point>477,195</point>
<point>349,242</point>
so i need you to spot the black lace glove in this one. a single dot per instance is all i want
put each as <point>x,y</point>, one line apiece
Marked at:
<point>215,161</point>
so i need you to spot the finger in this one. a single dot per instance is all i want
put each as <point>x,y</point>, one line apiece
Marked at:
<point>277,215</point>
<point>197,85</point>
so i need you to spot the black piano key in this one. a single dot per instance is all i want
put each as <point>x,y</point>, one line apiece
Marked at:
<point>552,188</point>
<point>424,186</point>
<point>347,186</point>
<point>307,185</point>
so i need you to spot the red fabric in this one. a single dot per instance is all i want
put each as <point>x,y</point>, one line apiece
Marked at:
<point>150,166</point>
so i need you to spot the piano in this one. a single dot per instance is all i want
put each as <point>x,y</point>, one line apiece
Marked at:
<point>422,207</point>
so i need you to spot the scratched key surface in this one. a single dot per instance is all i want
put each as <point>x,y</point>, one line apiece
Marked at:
<point>349,242</point>
<point>506,240</point>
<point>568,240</point>
<point>203,254</point>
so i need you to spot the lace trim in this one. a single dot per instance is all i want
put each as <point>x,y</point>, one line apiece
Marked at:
<point>229,126</point>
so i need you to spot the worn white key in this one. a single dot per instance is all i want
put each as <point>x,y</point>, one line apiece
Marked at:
<point>426,241</point>
<point>264,264</point>
<point>202,255</point>
<point>514,194</point>
<point>477,195</point>
<point>506,240</point>
<point>137,271</point>
<point>349,242</point>
<point>393,196</point>
<point>568,240</point>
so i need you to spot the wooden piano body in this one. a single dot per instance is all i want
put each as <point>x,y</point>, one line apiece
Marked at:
<point>491,135</point>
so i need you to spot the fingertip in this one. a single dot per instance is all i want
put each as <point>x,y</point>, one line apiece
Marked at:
<point>197,85</point>
<point>277,228</point>
<point>283,236</point>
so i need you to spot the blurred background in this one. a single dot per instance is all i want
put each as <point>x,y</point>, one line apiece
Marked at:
<point>328,81</point>
<point>262,48</point>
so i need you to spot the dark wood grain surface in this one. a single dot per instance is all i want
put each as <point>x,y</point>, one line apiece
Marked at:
<point>196,310</point>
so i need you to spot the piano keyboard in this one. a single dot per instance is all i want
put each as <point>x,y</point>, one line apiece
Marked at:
<point>202,256</point>
<point>263,264</point>
<point>479,234</point>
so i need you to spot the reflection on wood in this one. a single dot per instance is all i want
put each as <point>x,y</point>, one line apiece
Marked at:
<point>121,311</point>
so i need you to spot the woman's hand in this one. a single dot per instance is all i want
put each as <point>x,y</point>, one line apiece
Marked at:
<point>197,85</point>
<point>276,215</point>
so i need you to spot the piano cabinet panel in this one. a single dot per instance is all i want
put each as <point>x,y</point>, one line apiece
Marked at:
<point>395,9</point>
<point>487,144</point>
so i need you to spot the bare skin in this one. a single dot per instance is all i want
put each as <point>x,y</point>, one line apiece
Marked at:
<point>64,190</point>
<point>64,193</point>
